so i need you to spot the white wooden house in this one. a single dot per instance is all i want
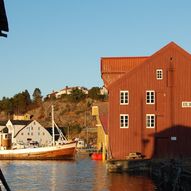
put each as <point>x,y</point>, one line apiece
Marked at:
<point>67,91</point>
<point>25,131</point>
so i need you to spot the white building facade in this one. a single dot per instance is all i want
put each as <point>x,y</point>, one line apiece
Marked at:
<point>24,131</point>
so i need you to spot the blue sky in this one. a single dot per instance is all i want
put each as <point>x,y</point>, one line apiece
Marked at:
<point>52,44</point>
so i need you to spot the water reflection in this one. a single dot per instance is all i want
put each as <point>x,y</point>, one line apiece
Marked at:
<point>82,174</point>
<point>130,183</point>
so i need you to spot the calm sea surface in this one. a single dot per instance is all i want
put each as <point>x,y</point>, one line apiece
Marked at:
<point>83,174</point>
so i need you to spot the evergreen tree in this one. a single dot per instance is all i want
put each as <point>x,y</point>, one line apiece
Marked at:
<point>37,97</point>
<point>27,97</point>
<point>6,105</point>
<point>20,103</point>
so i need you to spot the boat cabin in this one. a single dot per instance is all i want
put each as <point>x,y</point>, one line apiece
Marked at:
<point>5,141</point>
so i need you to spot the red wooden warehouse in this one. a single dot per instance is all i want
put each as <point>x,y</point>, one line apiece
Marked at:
<point>149,103</point>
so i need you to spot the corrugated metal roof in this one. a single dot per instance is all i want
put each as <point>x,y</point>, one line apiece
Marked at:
<point>114,68</point>
<point>120,64</point>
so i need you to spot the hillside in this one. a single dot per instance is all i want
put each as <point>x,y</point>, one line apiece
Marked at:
<point>72,112</point>
<point>71,116</point>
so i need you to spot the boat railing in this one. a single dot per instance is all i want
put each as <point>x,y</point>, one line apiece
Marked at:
<point>87,150</point>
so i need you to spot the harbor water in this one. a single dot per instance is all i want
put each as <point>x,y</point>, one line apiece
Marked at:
<point>82,174</point>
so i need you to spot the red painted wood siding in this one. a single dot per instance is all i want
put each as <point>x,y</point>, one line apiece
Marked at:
<point>114,68</point>
<point>171,119</point>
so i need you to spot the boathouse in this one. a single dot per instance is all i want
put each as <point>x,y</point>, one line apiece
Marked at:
<point>149,103</point>
<point>26,131</point>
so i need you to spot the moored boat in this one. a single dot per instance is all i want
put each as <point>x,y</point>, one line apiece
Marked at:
<point>62,149</point>
<point>66,151</point>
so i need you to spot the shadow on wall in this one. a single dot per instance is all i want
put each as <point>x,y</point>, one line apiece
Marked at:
<point>173,142</point>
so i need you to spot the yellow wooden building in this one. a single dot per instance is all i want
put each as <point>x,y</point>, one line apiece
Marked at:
<point>100,112</point>
<point>26,116</point>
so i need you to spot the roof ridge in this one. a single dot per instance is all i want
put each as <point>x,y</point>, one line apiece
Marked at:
<point>153,55</point>
<point>125,57</point>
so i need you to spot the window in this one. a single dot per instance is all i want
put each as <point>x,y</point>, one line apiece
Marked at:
<point>150,97</point>
<point>150,120</point>
<point>124,97</point>
<point>124,121</point>
<point>159,74</point>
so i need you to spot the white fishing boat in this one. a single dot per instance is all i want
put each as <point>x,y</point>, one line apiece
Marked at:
<point>61,149</point>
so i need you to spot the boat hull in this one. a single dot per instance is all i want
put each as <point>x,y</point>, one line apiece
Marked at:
<point>61,152</point>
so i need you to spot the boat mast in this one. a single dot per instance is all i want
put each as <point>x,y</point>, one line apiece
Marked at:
<point>53,133</point>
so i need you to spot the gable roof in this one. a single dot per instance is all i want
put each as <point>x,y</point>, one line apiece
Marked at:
<point>170,45</point>
<point>57,135</point>
<point>21,122</point>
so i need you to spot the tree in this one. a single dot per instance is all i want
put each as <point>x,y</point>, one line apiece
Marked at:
<point>94,93</point>
<point>18,104</point>
<point>6,105</point>
<point>37,97</point>
<point>77,95</point>
<point>21,102</point>
<point>27,97</point>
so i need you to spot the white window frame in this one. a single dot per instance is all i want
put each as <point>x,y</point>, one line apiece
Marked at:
<point>149,120</point>
<point>159,74</point>
<point>149,97</point>
<point>123,123</point>
<point>123,99</point>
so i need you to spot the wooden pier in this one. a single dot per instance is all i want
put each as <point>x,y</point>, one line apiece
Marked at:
<point>129,165</point>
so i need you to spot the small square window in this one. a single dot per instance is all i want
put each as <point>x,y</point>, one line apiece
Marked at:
<point>124,97</point>
<point>150,120</point>
<point>150,97</point>
<point>159,74</point>
<point>124,121</point>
